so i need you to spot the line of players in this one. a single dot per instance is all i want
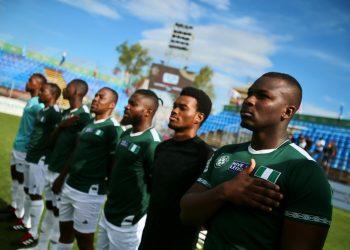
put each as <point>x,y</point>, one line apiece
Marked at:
<point>75,159</point>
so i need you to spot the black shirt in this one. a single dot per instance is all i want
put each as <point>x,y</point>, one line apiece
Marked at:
<point>177,165</point>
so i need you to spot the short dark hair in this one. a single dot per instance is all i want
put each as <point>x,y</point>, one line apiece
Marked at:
<point>82,86</point>
<point>290,81</point>
<point>204,103</point>
<point>150,94</point>
<point>55,89</point>
<point>114,93</point>
<point>39,76</point>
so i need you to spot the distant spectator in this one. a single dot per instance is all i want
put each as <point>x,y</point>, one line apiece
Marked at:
<point>291,138</point>
<point>320,143</point>
<point>302,142</point>
<point>329,153</point>
<point>308,144</point>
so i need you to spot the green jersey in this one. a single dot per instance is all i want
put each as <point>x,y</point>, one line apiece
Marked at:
<point>91,158</point>
<point>307,195</point>
<point>128,196</point>
<point>66,140</point>
<point>45,123</point>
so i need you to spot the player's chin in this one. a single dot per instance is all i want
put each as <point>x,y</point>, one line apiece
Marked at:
<point>125,121</point>
<point>247,124</point>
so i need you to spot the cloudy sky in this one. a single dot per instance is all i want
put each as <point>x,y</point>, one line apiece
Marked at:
<point>239,39</point>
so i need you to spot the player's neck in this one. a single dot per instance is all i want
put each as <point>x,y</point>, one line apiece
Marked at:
<point>75,103</point>
<point>50,103</point>
<point>102,116</point>
<point>182,135</point>
<point>142,126</point>
<point>268,140</point>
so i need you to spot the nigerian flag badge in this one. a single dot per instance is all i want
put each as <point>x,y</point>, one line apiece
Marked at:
<point>267,174</point>
<point>134,148</point>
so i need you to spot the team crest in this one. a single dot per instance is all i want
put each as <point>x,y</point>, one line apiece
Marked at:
<point>221,161</point>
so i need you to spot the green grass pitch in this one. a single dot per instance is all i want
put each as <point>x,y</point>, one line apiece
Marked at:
<point>338,237</point>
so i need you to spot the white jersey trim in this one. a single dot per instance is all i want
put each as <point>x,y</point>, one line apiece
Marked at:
<point>302,151</point>
<point>263,151</point>
<point>56,108</point>
<point>155,135</point>
<point>138,133</point>
<point>115,122</point>
<point>86,109</point>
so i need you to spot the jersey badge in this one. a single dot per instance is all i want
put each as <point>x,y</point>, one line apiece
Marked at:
<point>134,148</point>
<point>221,161</point>
<point>99,132</point>
<point>268,174</point>
<point>238,166</point>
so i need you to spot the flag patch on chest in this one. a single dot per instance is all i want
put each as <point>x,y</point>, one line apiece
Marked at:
<point>134,148</point>
<point>238,166</point>
<point>267,174</point>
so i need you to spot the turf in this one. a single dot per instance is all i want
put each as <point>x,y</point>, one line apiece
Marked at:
<point>338,237</point>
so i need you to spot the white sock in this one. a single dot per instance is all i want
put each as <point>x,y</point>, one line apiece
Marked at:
<point>46,229</point>
<point>20,201</point>
<point>14,190</point>
<point>36,210</point>
<point>26,216</point>
<point>64,246</point>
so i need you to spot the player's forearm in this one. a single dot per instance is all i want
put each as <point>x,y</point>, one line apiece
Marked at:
<point>198,207</point>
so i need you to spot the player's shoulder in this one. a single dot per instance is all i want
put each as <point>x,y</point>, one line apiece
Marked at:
<point>294,152</point>
<point>153,135</point>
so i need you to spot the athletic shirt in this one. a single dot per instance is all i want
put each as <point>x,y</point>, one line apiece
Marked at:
<point>26,125</point>
<point>306,196</point>
<point>67,138</point>
<point>128,196</point>
<point>177,165</point>
<point>45,123</point>
<point>90,161</point>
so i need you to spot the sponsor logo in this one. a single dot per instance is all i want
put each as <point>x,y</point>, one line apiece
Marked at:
<point>238,166</point>
<point>124,143</point>
<point>88,130</point>
<point>221,161</point>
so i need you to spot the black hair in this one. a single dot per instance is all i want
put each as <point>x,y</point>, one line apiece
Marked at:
<point>39,76</point>
<point>114,93</point>
<point>290,81</point>
<point>204,103</point>
<point>82,86</point>
<point>150,94</point>
<point>54,89</point>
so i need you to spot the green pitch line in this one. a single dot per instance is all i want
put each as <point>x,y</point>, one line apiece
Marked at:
<point>338,237</point>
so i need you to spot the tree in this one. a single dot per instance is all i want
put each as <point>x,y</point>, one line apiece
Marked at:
<point>203,81</point>
<point>133,58</point>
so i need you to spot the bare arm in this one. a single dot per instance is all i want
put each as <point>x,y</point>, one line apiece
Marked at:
<point>302,236</point>
<point>199,204</point>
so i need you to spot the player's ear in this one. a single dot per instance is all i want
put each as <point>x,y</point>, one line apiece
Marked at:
<point>288,112</point>
<point>198,119</point>
<point>112,105</point>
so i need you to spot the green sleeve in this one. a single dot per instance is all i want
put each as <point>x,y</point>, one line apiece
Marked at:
<point>111,139</point>
<point>205,178</point>
<point>308,194</point>
<point>149,155</point>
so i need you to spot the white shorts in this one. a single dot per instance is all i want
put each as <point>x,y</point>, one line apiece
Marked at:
<point>81,208</point>
<point>50,177</point>
<point>111,237</point>
<point>36,177</point>
<point>18,158</point>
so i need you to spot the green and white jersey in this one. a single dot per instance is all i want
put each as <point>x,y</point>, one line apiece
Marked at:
<point>307,195</point>
<point>92,155</point>
<point>128,196</point>
<point>45,123</point>
<point>67,138</point>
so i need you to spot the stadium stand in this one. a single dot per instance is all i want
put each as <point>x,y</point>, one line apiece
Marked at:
<point>15,69</point>
<point>228,122</point>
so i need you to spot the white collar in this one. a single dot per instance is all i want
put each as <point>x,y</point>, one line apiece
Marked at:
<point>264,151</point>
<point>73,110</point>
<point>101,120</point>
<point>138,133</point>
